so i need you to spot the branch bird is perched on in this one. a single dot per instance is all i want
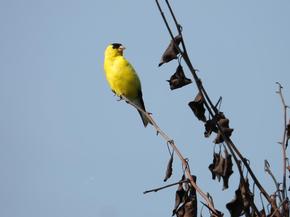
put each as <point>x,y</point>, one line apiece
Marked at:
<point>123,78</point>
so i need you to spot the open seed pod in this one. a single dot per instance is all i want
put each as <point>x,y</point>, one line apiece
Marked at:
<point>178,79</point>
<point>197,106</point>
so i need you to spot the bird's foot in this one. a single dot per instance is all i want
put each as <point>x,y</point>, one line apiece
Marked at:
<point>120,98</point>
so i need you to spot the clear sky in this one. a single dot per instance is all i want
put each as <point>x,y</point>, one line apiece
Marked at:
<point>68,148</point>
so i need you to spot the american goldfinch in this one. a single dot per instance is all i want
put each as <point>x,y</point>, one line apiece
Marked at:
<point>122,77</point>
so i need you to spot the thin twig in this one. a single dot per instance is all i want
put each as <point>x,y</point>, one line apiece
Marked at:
<point>166,186</point>
<point>178,26</point>
<point>284,139</point>
<point>164,18</point>
<point>268,170</point>
<point>174,147</point>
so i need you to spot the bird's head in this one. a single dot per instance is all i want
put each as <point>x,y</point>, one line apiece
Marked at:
<point>115,49</point>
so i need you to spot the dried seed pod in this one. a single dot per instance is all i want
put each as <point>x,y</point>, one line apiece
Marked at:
<point>190,209</point>
<point>178,79</point>
<point>228,170</point>
<point>180,212</point>
<point>219,167</point>
<point>210,126</point>
<point>171,51</point>
<point>224,124</point>
<point>197,106</point>
<point>243,198</point>
<point>169,168</point>
<point>247,196</point>
<point>216,158</point>
<point>235,206</point>
<point>179,198</point>
<point>185,200</point>
<point>191,190</point>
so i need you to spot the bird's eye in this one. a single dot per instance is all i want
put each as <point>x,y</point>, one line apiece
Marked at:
<point>116,45</point>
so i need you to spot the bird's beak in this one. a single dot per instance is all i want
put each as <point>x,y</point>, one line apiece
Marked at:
<point>121,48</point>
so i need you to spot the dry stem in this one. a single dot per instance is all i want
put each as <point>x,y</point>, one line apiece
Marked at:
<point>166,186</point>
<point>284,139</point>
<point>176,150</point>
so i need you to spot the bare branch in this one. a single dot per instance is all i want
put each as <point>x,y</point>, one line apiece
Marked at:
<point>164,19</point>
<point>166,186</point>
<point>268,170</point>
<point>176,150</point>
<point>284,139</point>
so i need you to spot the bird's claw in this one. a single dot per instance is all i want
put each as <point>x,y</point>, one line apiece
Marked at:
<point>120,98</point>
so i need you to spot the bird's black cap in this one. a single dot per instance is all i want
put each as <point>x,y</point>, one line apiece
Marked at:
<point>116,45</point>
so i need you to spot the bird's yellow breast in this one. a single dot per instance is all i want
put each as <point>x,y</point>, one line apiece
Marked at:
<point>122,77</point>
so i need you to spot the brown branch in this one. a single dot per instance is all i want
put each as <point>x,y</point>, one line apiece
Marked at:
<point>163,187</point>
<point>178,26</point>
<point>165,21</point>
<point>182,159</point>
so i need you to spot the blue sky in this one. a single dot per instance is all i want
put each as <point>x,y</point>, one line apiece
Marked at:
<point>69,148</point>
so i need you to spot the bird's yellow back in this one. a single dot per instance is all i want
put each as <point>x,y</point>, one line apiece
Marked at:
<point>120,74</point>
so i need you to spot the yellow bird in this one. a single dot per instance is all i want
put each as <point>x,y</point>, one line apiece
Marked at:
<point>123,78</point>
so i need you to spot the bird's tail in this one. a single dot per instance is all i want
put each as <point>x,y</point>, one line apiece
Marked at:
<point>140,103</point>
